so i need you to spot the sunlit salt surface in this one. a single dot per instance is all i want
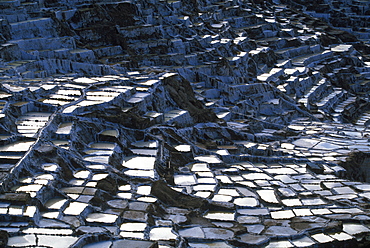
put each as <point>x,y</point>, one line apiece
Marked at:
<point>50,167</point>
<point>110,132</point>
<point>199,167</point>
<point>139,162</point>
<point>64,128</point>
<point>18,146</point>
<point>101,218</point>
<point>162,233</point>
<point>227,216</point>
<point>75,208</point>
<point>268,195</point>
<point>322,238</point>
<point>183,148</point>
<point>55,203</point>
<point>246,202</point>
<point>98,177</point>
<point>133,227</point>
<point>147,199</point>
<point>82,174</point>
<point>140,173</point>
<point>144,152</point>
<point>29,188</point>
<point>184,180</point>
<point>97,159</point>
<point>211,159</point>
<point>148,144</point>
<point>132,235</point>
<point>144,190</point>
<point>85,80</point>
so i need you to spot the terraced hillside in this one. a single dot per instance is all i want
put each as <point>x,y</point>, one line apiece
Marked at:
<point>153,123</point>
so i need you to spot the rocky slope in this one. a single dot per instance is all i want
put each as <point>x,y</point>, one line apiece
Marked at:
<point>182,124</point>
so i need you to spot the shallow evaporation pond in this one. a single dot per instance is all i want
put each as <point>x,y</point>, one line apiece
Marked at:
<point>268,195</point>
<point>97,159</point>
<point>101,218</point>
<point>110,132</point>
<point>64,128</point>
<point>75,208</point>
<point>98,177</point>
<point>227,216</point>
<point>211,159</point>
<point>82,174</point>
<point>55,203</point>
<point>210,245</point>
<point>18,146</point>
<point>29,188</point>
<point>86,103</point>
<point>144,190</point>
<point>140,173</point>
<point>146,144</point>
<point>103,145</point>
<point>199,167</point>
<point>162,233</point>
<point>144,152</point>
<point>96,167</point>
<point>147,199</point>
<point>326,146</point>
<point>61,143</point>
<point>222,198</point>
<point>183,148</point>
<point>246,202</point>
<point>256,176</point>
<point>133,227</point>
<point>185,180</point>
<point>98,152</point>
<point>52,167</point>
<point>139,162</point>
<point>203,194</point>
<point>304,142</point>
<point>85,80</point>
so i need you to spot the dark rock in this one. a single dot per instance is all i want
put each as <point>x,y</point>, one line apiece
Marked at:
<point>16,197</point>
<point>134,244</point>
<point>108,184</point>
<point>314,167</point>
<point>174,198</point>
<point>357,166</point>
<point>4,236</point>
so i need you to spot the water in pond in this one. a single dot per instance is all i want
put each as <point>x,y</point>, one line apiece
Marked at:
<point>103,145</point>
<point>140,173</point>
<point>183,148</point>
<point>50,167</point>
<point>133,227</point>
<point>18,146</point>
<point>64,128</point>
<point>147,144</point>
<point>211,159</point>
<point>139,162</point>
<point>75,208</point>
<point>162,233</point>
<point>101,218</point>
<point>246,202</point>
<point>55,203</point>
<point>184,180</point>
<point>110,132</point>
<point>268,195</point>
<point>226,216</point>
